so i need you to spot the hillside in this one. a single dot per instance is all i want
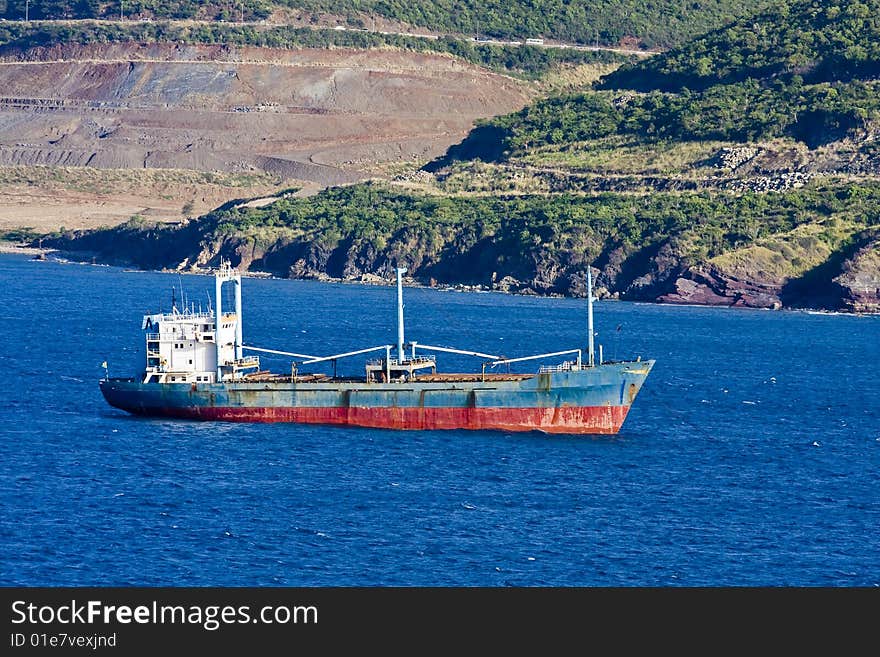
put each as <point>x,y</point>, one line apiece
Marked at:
<point>792,91</point>
<point>305,112</point>
<point>758,187</point>
<point>786,101</point>
<point>651,25</point>
<point>310,116</point>
<point>18,39</point>
<point>814,40</point>
<point>271,105</point>
<point>809,248</point>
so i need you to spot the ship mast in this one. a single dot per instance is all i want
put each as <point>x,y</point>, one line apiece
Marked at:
<point>225,273</point>
<point>400,355</point>
<point>590,349</point>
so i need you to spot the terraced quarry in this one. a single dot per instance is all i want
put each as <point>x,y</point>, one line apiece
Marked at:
<point>307,118</point>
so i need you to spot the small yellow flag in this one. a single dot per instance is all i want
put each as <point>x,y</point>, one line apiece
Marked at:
<point>104,364</point>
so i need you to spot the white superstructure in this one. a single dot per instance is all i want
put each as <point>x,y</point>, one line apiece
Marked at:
<point>198,347</point>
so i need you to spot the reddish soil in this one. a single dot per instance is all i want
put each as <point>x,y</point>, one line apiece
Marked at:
<point>327,116</point>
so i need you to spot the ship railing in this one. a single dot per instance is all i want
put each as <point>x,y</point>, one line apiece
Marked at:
<point>567,366</point>
<point>336,357</point>
<point>185,314</point>
<point>450,350</point>
<point>418,360</point>
<point>310,360</point>
<point>276,352</point>
<point>406,362</point>
<point>494,361</point>
<point>508,361</point>
<point>174,337</point>
<point>345,355</point>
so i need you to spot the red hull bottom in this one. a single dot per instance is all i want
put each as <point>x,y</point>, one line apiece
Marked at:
<point>582,420</point>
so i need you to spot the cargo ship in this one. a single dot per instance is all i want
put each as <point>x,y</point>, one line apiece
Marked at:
<point>197,368</point>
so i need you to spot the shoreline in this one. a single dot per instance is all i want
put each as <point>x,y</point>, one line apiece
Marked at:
<point>13,248</point>
<point>10,248</point>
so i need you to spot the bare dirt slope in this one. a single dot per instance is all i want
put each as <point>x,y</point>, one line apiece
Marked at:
<point>327,116</point>
<point>47,198</point>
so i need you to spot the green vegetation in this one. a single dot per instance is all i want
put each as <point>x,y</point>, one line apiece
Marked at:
<point>747,111</point>
<point>115,181</point>
<point>174,9</point>
<point>641,243</point>
<point>626,155</point>
<point>789,255</point>
<point>804,71</point>
<point>23,235</point>
<point>657,24</point>
<point>715,222</point>
<point>810,40</point>
<point>525,60</point>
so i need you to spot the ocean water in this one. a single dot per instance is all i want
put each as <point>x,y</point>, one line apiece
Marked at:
<point>751,456</point>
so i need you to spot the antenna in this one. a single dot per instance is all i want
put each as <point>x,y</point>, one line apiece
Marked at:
<point>173,300</point>
<point>590,349</point>
<point>182,292</point>
<point>400,355</point>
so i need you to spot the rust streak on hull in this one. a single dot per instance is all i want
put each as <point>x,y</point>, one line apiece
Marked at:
<point>569,420</point>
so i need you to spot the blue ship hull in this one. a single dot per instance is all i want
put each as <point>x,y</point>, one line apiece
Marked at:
<point>588,401</point>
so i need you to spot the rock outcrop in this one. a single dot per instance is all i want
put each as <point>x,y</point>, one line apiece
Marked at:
<point>756,276</point>
<point>859,279</point>
<point>709,287</point>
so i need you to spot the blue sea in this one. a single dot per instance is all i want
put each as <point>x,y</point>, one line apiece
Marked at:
<point>750,458</point>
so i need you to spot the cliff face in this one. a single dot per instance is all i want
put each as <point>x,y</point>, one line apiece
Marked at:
<point>663,271</point>
<point>859,278</point>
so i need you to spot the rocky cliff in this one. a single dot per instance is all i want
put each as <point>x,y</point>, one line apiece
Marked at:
<point>830,264</point>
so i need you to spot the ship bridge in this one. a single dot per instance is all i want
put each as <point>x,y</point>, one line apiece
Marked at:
<point>190,345</point>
